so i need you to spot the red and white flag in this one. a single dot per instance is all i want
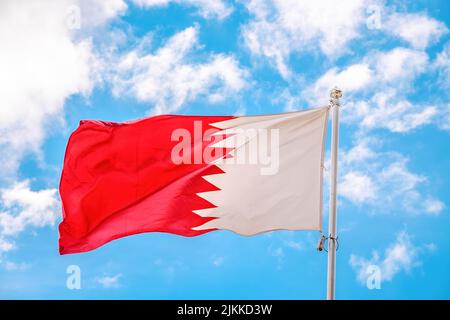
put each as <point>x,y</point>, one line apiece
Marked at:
<point>189,175</point>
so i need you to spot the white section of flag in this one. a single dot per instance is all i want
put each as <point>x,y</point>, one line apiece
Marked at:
<point>250,202</point>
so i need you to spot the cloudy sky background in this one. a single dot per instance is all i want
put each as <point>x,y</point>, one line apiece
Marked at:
<point>129,59</point>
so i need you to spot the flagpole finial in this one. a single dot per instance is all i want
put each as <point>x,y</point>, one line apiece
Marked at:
<point>335,93</point>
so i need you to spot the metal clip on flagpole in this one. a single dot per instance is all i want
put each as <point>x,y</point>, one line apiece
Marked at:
<point>335,95</point>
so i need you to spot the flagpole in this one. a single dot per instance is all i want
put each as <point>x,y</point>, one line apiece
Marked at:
<point>335,94</point>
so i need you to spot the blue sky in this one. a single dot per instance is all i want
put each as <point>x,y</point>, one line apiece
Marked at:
<point>119,60</point>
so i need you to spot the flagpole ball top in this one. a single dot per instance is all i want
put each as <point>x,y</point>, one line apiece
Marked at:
<point>336,93</point>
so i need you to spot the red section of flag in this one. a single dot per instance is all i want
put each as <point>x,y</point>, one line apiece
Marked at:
<point>119,179</point>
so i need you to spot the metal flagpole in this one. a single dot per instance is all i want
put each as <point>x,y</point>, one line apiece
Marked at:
<point>335,94</point>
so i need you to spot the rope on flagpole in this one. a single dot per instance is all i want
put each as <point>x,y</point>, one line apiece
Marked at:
<point>322,245</point>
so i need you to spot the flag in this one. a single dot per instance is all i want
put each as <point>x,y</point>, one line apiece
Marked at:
<point>188,175</point>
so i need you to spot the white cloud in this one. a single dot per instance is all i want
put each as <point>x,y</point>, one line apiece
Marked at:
<point>396,114</point>
<point>168,79</point>
<point>278,254</point>
<point>430,247</point>
<point>418,29</point>
<point>442,64</point>
<point>444,119</point>
<point>27,207</point>
<point>13,266</point>
<point>98,12</point>
<point>434,206</point>
<point>21,207</point>
<point>110,281</point>
<point>44,60</point>
<point>218,261</point>
<point>377,70</point>
<point>296,245</point>
<point>359,152</point>
<point>357,186</point>
<point>400,256</point>
<point>282,27</point>
<point>380,89</point>
<point>47,56</point>
<point>401,189</point>
<point>169,269</point>
<point>382,181</point>
<point>206,8</point>
<point>351,79</point>
<point>287,99</point>
<point>41,66</point>
<point>399,65</point>
<point>5,245</point>
<point>376,90</point>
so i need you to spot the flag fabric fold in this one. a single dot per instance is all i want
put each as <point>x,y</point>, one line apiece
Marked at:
<point>189,175</point>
